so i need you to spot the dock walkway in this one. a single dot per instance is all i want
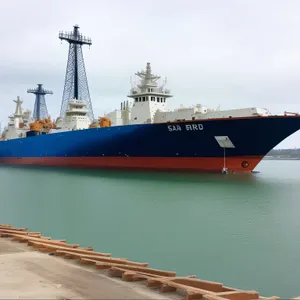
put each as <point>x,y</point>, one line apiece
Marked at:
<point>71,272</point>
<point>25,274</point>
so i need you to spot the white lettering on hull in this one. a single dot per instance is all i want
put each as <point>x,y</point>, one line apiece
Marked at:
<point>174,127</point>
<point>194,127</point>
<point>190,127</point>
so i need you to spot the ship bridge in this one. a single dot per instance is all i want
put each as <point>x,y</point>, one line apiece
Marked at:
<point>148,85</point>
<point>149,97</point>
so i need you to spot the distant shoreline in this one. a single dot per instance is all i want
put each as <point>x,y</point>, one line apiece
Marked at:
<point>280,158</point>
<point>283,154</point>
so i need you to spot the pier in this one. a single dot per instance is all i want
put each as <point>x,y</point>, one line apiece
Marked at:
<point>36,266</point>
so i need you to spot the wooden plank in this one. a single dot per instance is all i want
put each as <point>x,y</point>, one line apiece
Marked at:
<point>13,232</point>
<point>19,236</point>
<point>34,233</point>
<point>101,259</point>
<point>33,239</point>
<point>116,272</point>
<point>194,293</point>
<point>191,294</point>
<point>233,295</point>
<point>138,276</point>
<point>119,271</point>
<point>18,239</point>
<point>102,265</point>
<point>21,233</point>
<point>4,235</point>
<point>54,247</point>
<point>14,229</point>
<point>165,288</point>
<point>197,283</point>
<point>170,285</point>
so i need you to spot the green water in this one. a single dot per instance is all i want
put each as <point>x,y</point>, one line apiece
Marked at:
<point>242,230</point>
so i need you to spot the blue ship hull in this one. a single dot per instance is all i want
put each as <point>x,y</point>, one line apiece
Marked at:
<point>177,146</point>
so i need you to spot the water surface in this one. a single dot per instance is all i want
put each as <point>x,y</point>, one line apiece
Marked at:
<point>242,230</point>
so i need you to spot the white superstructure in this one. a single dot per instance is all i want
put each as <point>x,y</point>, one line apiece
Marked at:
<point>76,117</point>
<point>150,106</point>
<point>18,122</point>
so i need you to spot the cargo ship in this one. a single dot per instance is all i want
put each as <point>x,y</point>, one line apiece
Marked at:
<point>143,134</point>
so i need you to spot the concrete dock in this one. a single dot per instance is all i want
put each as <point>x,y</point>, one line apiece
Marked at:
<point>37,267</point>
<point>25,273</point>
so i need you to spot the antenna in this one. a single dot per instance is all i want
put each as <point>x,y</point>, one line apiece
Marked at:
<point>131,83</point>
<point>40,111</point>
<point>76,84</point>
<point>164,82</point>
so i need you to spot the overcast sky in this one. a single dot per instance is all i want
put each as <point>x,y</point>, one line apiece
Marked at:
<point>233,53</point>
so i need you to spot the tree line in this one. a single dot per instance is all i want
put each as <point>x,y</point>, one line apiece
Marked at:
<point>285,152</point>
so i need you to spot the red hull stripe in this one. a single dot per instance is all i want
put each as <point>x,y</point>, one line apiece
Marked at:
<point>236,164</point>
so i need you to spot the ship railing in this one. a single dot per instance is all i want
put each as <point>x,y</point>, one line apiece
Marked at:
<point>290,113</point>
<point>164,91</point>
<point>71,36</point>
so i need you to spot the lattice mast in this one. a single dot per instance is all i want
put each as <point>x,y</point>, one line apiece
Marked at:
<point>40,111</point>
<point>76,84</point>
